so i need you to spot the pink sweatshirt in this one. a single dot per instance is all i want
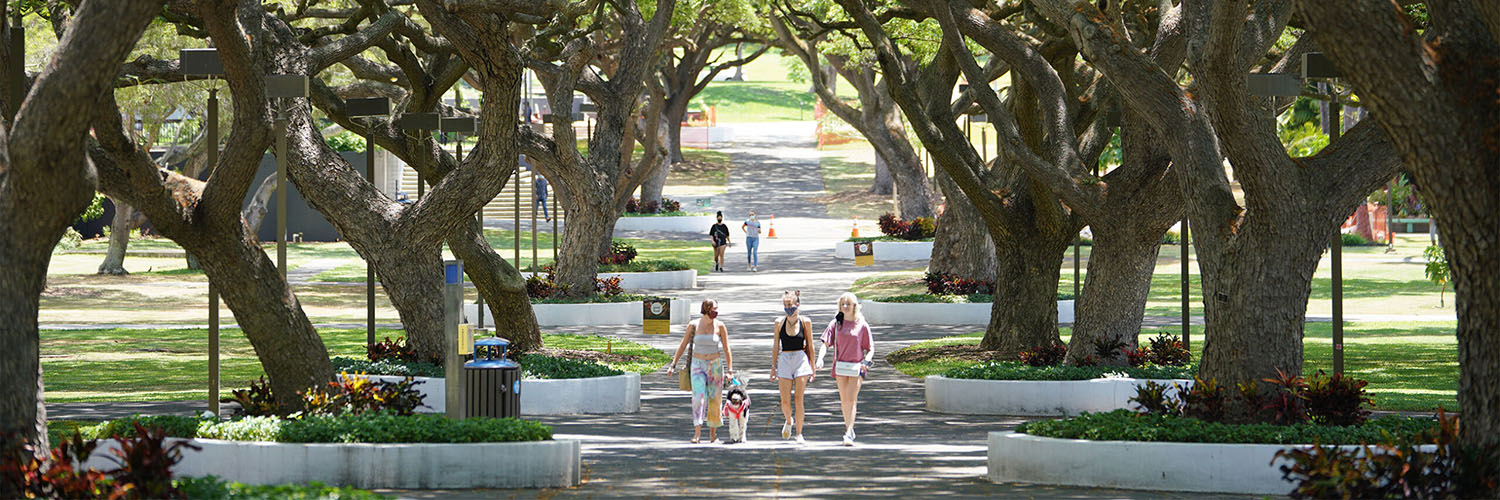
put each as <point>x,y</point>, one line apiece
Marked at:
<point>843,340</point>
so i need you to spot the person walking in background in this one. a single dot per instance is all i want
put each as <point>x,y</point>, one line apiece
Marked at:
<point>719,233</point>
<point>751,227</point>
<point>708,340</point>
<point>538,187</point>
<point>792,362</point>
<point>853,350</point>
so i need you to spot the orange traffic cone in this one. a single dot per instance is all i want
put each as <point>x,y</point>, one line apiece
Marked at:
<point>855,232</point>
<point>772,232</point>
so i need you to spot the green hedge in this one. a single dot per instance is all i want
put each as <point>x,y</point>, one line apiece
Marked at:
<point>1124,425</point>
<point>370,428</point>
<point>386,367</point>
<point>213,488</point>
<point>884,238</point>
<point>593,299</point>
<point>534,366</point>
<point>646,266</point>
<point>1015,370</point>
<point>548,367</point>
<point>927,298</point>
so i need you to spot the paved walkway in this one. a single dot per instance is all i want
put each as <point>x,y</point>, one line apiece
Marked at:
<point>903,450</point>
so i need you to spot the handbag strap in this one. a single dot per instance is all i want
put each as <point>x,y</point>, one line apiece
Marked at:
<point>689,364</point>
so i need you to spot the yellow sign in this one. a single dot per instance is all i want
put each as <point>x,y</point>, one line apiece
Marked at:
<point>864,253</point>
<point>465,339</point>
<point>656,316</point>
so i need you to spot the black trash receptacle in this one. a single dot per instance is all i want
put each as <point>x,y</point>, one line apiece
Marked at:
<point>492,384</point>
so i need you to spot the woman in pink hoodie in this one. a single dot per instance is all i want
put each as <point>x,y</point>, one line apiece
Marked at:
<point>853,351</point>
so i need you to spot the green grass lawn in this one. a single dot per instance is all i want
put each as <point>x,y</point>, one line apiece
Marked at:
<point>845,185</point>
<point>702,168</point>
<point>1410,366</point>
<point>169,364</point>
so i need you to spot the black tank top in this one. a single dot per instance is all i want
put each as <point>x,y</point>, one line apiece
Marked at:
<point>790,343</point>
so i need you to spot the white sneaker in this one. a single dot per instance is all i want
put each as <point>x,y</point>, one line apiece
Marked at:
<point>786,430</point>
<point>849,438</point>
<point>800,440</point>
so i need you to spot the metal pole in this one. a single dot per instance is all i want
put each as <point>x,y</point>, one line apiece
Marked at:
<point>1187,340</point>
<point>281,189</point>
<point>421,186</point>
<point>1390,214</point>
<point>516,236</point>
<point>213,293</point>
<point>533,215</point>
<point>1077,278</point>
<point>1332,124</point>
<point>369,269</point>
<point>17,62</point>
<point>557,207</point>
<point>453,299</point>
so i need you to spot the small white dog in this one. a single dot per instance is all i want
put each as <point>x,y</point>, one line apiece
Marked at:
<point>736,412</point>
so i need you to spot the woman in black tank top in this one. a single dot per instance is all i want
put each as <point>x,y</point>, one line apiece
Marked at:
<point>792,362</point>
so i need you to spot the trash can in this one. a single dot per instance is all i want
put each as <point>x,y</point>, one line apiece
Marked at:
<point>492,384</point>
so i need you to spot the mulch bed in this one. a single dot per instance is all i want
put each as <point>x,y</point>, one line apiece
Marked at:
<point>966,352</point>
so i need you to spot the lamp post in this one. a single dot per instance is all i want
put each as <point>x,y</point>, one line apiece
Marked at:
<point>282,87</point>
<point>459,126</point>
<point>369,109</point>
<point>206,62</point>
<point>419,123</point>
<point>1317,66</point>
<point>17,61</point>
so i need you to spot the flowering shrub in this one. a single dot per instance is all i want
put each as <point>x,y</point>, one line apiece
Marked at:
<point>1044,355</point>
<point>145,468</point>
<point>608,287</point>
<point>920,228</point>
<point>619,253</point>
<point>257,400</point>
<point>950,284</point>
<point>398,350</point>
<point>357,395</point>
<point>666,205</point>
<point>1168,350</point>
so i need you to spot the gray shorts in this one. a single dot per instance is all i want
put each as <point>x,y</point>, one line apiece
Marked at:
<point>793,364</point>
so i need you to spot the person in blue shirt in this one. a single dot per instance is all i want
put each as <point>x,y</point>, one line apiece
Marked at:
<point>751,227</point>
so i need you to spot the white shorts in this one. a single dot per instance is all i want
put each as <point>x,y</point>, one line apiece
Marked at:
<point>793,364</point>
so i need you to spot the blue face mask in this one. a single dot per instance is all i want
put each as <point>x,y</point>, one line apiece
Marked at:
<point>791,310</point>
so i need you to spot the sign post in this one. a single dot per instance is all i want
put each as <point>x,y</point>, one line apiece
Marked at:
<point>864,253</point>
<point>656,316</point>
<point>453,363</point>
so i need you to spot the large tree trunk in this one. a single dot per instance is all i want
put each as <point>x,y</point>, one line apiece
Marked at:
<point>412,277</point>
<point>579,250</point>
<point>673,114</point>
<point>25,254</point>
<point>887,134</point>
<point>45,181</point>
<point>651,190</point>
<point>119,239</point>
<point>883,180</point>
<point>1256,309</point>
<point>289,348</point>
<point>255,212</point>
<point>503,289</point>
<point>1427,97</point>
<point>1024,314</point>
<point>962,245</point>
<point>1113,299</point>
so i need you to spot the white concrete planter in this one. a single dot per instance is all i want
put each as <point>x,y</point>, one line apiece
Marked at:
<point>889,250</point>
<point>686,279</point>
<point>676,224</point>
<point>897,313</point>
<point>1139,465</point>
<point>617,394</point>
<point>536,464</point>
<point>601,314</point>
<point>1032,397</point>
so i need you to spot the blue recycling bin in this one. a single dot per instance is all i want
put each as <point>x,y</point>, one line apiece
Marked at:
<point>492,383</point>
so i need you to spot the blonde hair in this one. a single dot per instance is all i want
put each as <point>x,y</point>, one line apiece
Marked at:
<point>859,314</point>
<point>796,296</point>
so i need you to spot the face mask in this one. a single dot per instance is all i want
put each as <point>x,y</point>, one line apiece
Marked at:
<point>791,310</point>
<point>713,314</point>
